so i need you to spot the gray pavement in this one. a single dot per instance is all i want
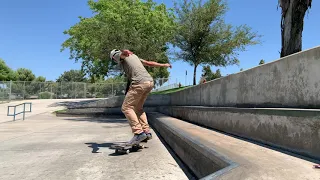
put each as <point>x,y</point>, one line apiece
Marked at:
<point>48,147</point>
<point>39,106</point>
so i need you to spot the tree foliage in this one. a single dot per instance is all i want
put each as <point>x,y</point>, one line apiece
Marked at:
<point>72,76</point>
<point>6,73</point>
<point>143,27</point>
<point>292,18</point>
<point>261,62</point>
<point>204,38</point>
<point>24,74</point>
<point>40,79</point>
<point>208,75</point>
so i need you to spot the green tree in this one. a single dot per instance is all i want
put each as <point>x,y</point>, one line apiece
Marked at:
<point>208,75</point>
<point>6,73</point>
<point>292,18</point>
<point>142,27</point>
<point>72,76</point>
<point>204,38</point>
<point>206,71</point>
<point>261,62</point>
<point>217,74</point>
<point>40,79</point>
<point>25,75</point>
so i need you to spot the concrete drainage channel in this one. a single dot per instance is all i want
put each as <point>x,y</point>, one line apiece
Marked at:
<point>203,162</point>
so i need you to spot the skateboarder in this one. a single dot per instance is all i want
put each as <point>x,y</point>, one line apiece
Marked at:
<point>141,84</point>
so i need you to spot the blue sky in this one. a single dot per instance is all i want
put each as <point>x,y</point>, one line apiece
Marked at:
<point>31,34</point>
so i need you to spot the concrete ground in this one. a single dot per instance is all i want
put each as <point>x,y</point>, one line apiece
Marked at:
<point>47,147</point>
<point>39,106</point>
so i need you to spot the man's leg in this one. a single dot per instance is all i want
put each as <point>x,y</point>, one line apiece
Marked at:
<point>147,87</point>
<point>128,108</point>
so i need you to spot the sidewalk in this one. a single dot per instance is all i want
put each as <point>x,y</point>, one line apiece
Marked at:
<point>39,106</point>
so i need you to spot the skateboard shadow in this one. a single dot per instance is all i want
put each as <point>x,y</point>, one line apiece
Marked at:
<point>96,146</point>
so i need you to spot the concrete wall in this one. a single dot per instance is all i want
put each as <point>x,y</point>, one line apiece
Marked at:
<point>293,130</point>
<point>293,81</point>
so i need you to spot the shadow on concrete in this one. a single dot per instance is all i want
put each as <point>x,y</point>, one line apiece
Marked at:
<point>72,104</point>
<point>111,119</point>
<point>96,146</point>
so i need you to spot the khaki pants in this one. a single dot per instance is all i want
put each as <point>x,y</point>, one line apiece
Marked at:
<point>132,106</point>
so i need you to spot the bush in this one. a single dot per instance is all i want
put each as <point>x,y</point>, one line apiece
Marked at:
<point>46,95</point>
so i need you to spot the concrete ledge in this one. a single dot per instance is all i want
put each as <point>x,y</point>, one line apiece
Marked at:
<point>152,101</point>
<point>294,130</point>
<point>97,112</point>
<point>213,155</point>
<point>205,162</point>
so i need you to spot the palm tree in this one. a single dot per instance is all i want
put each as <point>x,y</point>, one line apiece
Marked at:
<point>293,12</point>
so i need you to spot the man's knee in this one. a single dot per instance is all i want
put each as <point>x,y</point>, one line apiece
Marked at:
<point>127,108</point>
<point>124,109</point>
<point>139,111</point>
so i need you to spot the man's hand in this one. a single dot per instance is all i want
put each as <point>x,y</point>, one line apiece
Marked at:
<point>168,65</point>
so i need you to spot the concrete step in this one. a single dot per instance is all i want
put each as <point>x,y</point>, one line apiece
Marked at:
<point>213,155</point>
<point>294,130</point>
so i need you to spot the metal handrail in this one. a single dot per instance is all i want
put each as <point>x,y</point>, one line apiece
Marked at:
<point>15,110</point>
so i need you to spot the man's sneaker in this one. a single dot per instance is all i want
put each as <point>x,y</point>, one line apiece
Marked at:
<point>137,138</point>
<point>149,136</point>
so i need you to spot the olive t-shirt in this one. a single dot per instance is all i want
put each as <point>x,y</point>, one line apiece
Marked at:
<point>135,70</point>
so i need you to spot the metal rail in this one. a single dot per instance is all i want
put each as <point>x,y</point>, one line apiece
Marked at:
<point>15,113</point>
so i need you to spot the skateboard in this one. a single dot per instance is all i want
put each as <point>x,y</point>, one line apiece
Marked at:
<point>126,149</point>
<point>316,166</point>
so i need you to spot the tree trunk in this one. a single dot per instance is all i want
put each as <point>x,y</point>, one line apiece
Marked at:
<point>293,13</point>
<point>195,74</point>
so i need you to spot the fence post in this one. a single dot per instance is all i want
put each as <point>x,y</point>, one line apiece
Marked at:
<point>85,90</point>
<point>24,89</point>
<point>51,90</point>
<point>95,90</point>
<point>61,88</point>
<point>10,91</point>
<point>112,90</point>
<point>74,90</point>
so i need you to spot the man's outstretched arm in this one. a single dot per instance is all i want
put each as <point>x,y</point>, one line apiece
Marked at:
<point>154,64</point>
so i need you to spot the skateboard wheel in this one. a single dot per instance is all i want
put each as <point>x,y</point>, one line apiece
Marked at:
<point>127,151</point>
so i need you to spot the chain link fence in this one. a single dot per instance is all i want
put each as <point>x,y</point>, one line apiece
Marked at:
<point>20,90</point>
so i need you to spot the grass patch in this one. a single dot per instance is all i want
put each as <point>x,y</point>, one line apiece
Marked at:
<point>171,90</point>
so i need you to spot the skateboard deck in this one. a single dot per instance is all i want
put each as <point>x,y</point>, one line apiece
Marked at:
<point>126,149</point>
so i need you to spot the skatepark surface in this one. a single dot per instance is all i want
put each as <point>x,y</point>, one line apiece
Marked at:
<point>48,147</point>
